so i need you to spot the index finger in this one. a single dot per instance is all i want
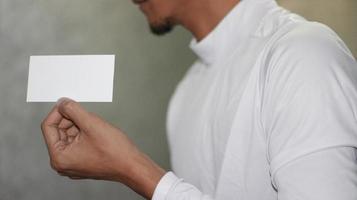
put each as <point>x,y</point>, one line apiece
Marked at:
<point>49,128</point>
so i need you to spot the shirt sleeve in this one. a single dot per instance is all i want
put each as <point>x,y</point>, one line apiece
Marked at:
<point>170,187</point>
<point>326,175</point>
<point>309,116</point>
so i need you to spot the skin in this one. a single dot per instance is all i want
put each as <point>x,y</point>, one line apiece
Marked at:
<point>199,17</point>
<point>81,145</point>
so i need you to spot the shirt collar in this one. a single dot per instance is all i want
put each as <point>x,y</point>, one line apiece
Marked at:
<point>235,28</point>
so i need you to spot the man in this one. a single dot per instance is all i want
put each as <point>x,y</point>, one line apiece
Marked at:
<point>268,111</point>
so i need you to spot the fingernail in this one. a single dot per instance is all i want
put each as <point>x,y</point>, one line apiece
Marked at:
<point>61,100</point>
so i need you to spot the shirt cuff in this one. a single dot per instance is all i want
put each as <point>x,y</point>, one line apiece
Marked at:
<point>166,183</point>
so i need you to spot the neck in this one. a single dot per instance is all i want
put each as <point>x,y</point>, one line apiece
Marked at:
<point>200,17</point>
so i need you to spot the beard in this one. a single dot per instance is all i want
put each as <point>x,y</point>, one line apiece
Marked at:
<point>162,28</point>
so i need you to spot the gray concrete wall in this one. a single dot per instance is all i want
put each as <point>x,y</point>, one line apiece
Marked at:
<point>147,70</point>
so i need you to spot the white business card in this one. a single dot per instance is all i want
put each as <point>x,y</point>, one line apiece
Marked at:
<point>83,78</point>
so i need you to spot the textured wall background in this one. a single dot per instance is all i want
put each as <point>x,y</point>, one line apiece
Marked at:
<point>147,70</point>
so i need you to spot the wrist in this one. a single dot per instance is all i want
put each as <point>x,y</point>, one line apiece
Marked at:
<point>143,175</point>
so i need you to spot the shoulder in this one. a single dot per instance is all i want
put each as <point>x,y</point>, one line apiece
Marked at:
<point>299,51</point>
<point>309,51</point>
<point>311,61</point>
<point>310,40</point>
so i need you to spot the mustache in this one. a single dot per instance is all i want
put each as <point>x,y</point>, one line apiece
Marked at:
<point>139,1</point>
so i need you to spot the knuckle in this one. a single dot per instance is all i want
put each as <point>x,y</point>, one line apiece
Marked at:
<point>43,125</point>
<point>54,164</point>
<point>58,165</point>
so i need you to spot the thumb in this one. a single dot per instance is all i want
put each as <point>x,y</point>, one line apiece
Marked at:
<point>74,112</point>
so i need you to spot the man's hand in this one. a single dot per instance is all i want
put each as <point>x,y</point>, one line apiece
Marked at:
<point>81,145</point>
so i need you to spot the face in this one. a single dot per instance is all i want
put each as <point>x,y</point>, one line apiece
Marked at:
<point>159,14</point>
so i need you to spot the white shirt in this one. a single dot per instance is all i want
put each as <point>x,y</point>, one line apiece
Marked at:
<point>268,111</point>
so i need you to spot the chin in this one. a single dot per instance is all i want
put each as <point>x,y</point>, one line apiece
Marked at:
<point>162,27</point>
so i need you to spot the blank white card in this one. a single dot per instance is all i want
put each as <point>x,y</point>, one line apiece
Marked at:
<point>84,78</point>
